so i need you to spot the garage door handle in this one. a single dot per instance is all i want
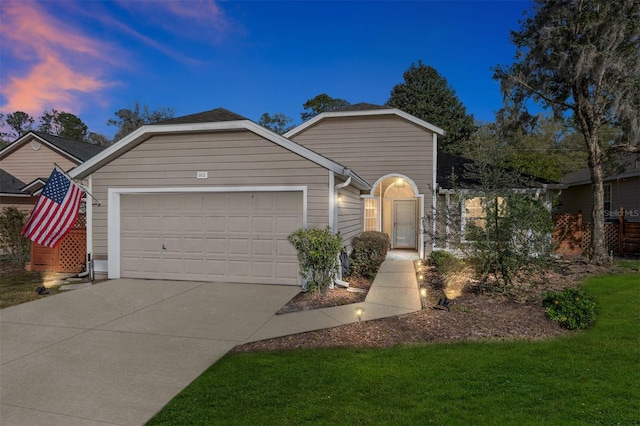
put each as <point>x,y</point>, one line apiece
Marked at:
<point>163,247</point>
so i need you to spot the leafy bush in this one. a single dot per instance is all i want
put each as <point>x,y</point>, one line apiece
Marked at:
<point>445,262</point>
<point>573,309</point>
<point>318,256</point>
<point>12,242</point>
<point>369,251</point>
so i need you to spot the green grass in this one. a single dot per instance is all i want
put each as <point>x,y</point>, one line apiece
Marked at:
<point>19,287</point>
<point>591,377</point>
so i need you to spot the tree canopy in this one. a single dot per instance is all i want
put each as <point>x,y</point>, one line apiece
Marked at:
<point>581,58</point>
<point>63,124</point>
<point>278,123</point>
<point>320,104</point>
<point>427,95</point>
<point>129,120</point>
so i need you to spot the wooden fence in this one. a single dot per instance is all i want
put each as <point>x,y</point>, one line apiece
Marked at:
<point>68,256</point>
<point>573,237</point>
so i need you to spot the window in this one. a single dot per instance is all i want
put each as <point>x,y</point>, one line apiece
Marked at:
<point>474,211</point>
<point>370,214</point>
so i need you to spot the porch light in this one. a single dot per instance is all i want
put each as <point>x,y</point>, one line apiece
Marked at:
<point>339,197</point>
<point>400,183</point>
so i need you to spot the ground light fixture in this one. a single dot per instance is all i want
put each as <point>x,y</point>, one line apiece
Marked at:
<point>423,296</point>
<point>359,312</point>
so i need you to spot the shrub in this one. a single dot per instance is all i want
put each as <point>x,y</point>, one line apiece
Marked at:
<point>444,262</point>
<point>12,242</point>
<point>573,309</point>
<point>318,256</point>
<point>369,251</point>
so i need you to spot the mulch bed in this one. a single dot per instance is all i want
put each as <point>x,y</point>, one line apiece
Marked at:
<point>472,317</point>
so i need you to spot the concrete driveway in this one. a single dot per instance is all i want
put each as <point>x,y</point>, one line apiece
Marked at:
<point>117,352</point>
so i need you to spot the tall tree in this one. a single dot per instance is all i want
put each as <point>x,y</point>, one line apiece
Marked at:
<point>278,123</point>
<point>427,95</point>
<point>20,122</point>
<point>63,124</point>
<point>130,119</point>
<point>582,58</point>
<point>320,104</point>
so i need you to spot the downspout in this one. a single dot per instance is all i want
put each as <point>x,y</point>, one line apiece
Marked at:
<point>338,279</point>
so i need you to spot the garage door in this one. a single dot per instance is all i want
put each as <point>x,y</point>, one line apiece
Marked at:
<point>236,237</point>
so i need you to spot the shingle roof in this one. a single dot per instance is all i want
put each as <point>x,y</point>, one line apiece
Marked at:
<point>79,149</point>
<point>10,184</point>
<point>212,116</point>
<point>462,169</point>
<point>362,106</point>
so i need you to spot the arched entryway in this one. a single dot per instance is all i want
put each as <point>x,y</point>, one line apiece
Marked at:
<point>395,207</point>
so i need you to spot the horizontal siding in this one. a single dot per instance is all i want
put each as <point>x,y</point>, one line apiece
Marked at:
<point>349,215</point>
<point>375,146</point>
<point>173,160</point>
<point>27,164</point>
<point>625,193</point>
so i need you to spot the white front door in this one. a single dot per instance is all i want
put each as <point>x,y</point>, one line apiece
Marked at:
<point>404,226</point>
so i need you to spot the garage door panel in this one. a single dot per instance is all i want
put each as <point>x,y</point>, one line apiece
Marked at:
<point>240,224</point>
<point>238,237</point>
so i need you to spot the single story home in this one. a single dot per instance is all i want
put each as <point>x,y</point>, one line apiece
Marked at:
<point>214,196</point>
<point>621,191</point>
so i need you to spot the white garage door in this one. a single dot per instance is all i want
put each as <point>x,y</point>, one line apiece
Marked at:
<point>236,237</point>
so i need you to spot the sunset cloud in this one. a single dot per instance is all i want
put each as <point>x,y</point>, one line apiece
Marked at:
<point>57,63</point>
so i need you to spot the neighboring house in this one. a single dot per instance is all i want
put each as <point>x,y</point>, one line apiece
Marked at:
<point>26,164</point>
<point>214,196</point>
<point>621,191</point>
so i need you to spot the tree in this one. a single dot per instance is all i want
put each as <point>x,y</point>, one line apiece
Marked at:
<point>98,139</point>
<point>320,104</point>
<point>427,95</point>
<point>20,122</point>
<point>278,123</point>
<point>582,58</point>
<point>131,119</point>
<point>63,124</point>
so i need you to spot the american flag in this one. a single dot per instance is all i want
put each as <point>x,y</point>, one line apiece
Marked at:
<point>55,212</point>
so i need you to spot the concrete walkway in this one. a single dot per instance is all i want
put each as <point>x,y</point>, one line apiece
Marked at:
<point>115,353</point>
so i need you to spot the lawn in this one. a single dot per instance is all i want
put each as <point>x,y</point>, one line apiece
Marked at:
<point>591,377</point>
<point>19,286</point>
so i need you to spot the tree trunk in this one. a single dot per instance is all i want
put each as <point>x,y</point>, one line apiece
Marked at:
<point>598,246</point>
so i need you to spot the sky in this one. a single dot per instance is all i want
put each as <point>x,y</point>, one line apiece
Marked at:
<point>92,58</point>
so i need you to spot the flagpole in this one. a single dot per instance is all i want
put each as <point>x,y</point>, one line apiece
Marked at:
<point>76,183</point>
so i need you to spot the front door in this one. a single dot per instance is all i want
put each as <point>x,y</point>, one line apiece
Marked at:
<point>404,226</point>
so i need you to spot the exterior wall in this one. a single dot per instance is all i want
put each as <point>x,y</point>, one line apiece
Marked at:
<point>349,214</point>
<point>624,193</point>
<point>27,164</point>
<point>231,159</point>
<point>375,146</point>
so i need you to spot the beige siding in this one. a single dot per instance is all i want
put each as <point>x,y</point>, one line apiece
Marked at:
<point>349,214</point>
<point>238,158</point>
<point>375,146</point>
<point>27,164</point>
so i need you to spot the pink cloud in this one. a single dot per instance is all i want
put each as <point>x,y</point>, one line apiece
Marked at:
<point>58,61</point>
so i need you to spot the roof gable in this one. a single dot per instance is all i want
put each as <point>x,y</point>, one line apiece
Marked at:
<point>10,184</point>
<point>362,110</point>
<point>73,149</point>
<point>197,123</point>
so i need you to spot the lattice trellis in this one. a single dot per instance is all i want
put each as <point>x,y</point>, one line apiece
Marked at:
<point>72,251</point>
<point>610,237</point>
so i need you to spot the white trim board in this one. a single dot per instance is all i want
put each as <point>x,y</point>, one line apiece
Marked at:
<point>113,211</point>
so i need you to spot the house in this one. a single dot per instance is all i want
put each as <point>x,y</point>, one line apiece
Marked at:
<point>621,191</point>
<point>26,164</point>
<point>213,196</point>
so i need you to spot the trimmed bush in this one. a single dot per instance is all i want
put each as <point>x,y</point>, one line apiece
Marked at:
<point>573,309</point>
<point>318,256</point>
<point>369,251</point>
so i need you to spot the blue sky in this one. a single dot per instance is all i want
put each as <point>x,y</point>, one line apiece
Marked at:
<point>91,58</point>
